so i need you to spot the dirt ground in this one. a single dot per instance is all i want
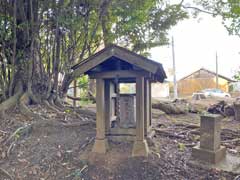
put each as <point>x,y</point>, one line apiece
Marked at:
<point>58,147</point>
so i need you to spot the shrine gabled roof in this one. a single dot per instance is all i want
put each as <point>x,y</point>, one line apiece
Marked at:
<point>155,68</point>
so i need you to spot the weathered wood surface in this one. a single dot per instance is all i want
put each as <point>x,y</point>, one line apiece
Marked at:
<point>119,73</point>
<point>130,57</point>
<point>137,60</point>
<point>140,109</point>
<point>146,106</point>
<point>100,121</point>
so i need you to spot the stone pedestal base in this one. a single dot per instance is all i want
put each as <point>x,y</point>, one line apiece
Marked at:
<point>100,146</point>
<point>208,156</point>
<point>229,164</point>
<point>140,148</point>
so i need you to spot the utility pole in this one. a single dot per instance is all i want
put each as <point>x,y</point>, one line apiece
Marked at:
<point>216,70</point>
<point>174,71</point>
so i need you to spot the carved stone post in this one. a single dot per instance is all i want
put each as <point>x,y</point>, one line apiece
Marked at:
<point>236,106</point>
<point>210,149</point>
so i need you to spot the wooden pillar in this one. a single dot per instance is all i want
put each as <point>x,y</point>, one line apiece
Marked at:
<point>146,106</point>
<point>107,105</point>
<point>112,101</point>
<point>140,147</point>
<point>150,103</point>
<point>101,144</point>
<point>117,102</point>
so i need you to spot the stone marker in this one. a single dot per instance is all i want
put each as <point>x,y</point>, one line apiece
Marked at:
<point>210,149</point>
<point>236,106</point>
<point>127,111</point>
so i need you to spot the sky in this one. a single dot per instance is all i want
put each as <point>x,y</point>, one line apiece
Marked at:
<point>196,43</point>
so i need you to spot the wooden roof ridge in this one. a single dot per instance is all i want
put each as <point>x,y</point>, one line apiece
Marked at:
<point>117,51</point>
<point>211,72</point>
<point>138,55</point>
<point>90,57</point>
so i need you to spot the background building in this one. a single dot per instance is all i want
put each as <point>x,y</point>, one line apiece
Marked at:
<point>202,79</point>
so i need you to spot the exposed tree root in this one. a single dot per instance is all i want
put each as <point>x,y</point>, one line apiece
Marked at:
<point>33,97</point>
<point>12,101</point>
<point>10,148</point>
<point>24,109</point>
<point>58,103</point>
<point>51,102</point>
<point>6,173</point>
<point>46,103</point>
<point>9,103</point>
<point>19,132</point>
<point>87,113</point>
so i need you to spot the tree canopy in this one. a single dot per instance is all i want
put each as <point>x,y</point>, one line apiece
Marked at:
<point>41,40</point>
<point>229,10</point>
<point>237,74</point>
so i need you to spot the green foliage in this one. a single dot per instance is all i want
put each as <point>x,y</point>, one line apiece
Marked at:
<point>68,111</point>
<point>229,10</point>
<point>83,82</point>
<point>237,75</point>
<point>85,102</point>
<point>141,25</point>
<point>231,16</point>
<point>65,32</point>
<point>181,146</point>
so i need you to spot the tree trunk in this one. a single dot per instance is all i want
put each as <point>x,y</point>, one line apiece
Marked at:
<point>68,78</point>
<point>26,82</point>
<point>92,86</point>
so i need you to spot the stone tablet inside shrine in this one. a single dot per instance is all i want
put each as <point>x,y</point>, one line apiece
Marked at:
<point>127,111</point>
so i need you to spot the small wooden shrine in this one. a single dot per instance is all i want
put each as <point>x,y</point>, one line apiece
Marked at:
<point>122,115</point>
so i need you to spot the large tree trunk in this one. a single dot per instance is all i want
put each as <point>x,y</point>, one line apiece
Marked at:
<point>37,46</point>
<point>27,83</point>
<point>68,78</point>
